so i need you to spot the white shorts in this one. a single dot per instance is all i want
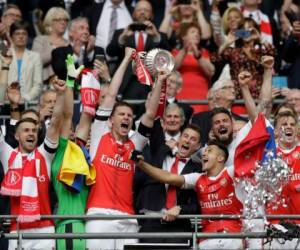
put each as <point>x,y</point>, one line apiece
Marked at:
<point>48,244</point>
<point>228,244</point>
<point>109,226</point>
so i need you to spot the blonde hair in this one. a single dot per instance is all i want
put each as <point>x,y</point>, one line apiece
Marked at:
<point>225,18</point>
<point>50,15</point>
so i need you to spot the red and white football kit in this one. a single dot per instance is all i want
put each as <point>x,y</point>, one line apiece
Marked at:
<point>217,195</point>
<point>290,194</point>
<point>43,168</point>
<point>112,194</point>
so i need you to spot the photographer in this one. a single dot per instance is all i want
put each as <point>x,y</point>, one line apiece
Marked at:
<point>142,35</point>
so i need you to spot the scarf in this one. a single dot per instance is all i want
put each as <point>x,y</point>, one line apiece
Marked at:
<point>21,181</point>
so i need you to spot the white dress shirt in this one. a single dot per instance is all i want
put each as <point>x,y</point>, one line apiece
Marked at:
<point>103,26</point>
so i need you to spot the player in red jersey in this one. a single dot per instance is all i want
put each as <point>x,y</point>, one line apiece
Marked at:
<point>27,175</point>
<point>110,150</point>
<point>288,149</point>
<point>215,190</point>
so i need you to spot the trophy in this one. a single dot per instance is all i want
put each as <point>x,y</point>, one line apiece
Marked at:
<point>156,60</point>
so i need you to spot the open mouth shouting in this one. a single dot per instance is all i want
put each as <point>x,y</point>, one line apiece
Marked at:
<point>223,131</point>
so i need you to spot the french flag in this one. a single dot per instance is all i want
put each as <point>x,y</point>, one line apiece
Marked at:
<point>258,146</point>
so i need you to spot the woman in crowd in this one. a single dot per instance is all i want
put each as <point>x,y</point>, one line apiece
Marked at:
<point>55,24</point>
<point>246,55</point>
<point>231,21</point>
<point>194,65</point>
<point>184,13</point>
<point>25,70</point>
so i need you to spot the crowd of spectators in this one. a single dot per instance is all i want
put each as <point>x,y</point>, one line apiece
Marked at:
<point>224,50</point>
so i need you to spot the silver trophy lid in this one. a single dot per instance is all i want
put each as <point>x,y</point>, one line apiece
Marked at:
<point>157,60</point>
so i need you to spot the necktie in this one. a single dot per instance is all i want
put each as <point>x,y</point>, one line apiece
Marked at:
<point>171,193</point>
<point>140,43</point>
<point>113,22</point>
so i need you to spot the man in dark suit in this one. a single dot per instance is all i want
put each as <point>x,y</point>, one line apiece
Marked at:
<point>222,94</point>
<point>152,196</point>
<point>81,47</point>
<point>141,35</point>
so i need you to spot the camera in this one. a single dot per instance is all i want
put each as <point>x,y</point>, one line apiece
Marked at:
<point>185,2</point>
<point>243,34</point>
<point>137,26</point>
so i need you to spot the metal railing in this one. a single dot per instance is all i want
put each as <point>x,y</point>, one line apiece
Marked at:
<point>187,235</point>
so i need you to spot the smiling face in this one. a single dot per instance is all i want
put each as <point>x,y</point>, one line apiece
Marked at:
<point>222,127</point>
<point>212,160</point>
<point>26,135</point>
<point>173,120</point>
<point>234,20</point>
<point>121,121</point>
<point>286,132</point>
<point>79,31</point>
<point>188,143</point>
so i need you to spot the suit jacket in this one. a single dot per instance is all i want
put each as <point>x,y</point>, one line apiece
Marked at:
<point>151,194</point>
<point>203,120</point>
<point>131,88</point>
<point>31,74</point>
<point>59,56</point>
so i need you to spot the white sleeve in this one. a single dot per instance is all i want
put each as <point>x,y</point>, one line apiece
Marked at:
<point>190,180</point>
<point>5,152</point>
<point>48,150</point>
<point>98,128</point>
<point>139,141</point>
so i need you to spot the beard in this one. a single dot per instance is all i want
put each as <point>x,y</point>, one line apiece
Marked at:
<point>226,140</point>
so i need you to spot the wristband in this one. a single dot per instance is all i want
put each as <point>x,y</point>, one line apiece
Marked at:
<point>4,68</point>
<point>70,81</point>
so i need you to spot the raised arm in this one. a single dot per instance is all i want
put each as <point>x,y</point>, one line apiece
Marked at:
<point>110,97</point>
<point>55,123</point>
<point>244,79</point>
<point>149,116</point>
<point>72,74</point>
<point>265,98</point>
<point>160,175</point>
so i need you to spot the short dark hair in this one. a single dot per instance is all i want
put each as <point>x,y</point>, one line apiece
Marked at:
<point>287,106</point>
<point>220,146</point>
<point>284,114</point>
<point>194,127</point>
<point>220,110</point>
<point>28,119</point>
<point>30,111</point>
<point>120,104</point>
<point>19,25</point>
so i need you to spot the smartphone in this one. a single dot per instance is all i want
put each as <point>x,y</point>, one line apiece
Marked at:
<point>243,34</point>
<point>184,2</point>
<point>279,82</point>
<point>137,26</point>
<point>100,57</point>
<point>292,16</point>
